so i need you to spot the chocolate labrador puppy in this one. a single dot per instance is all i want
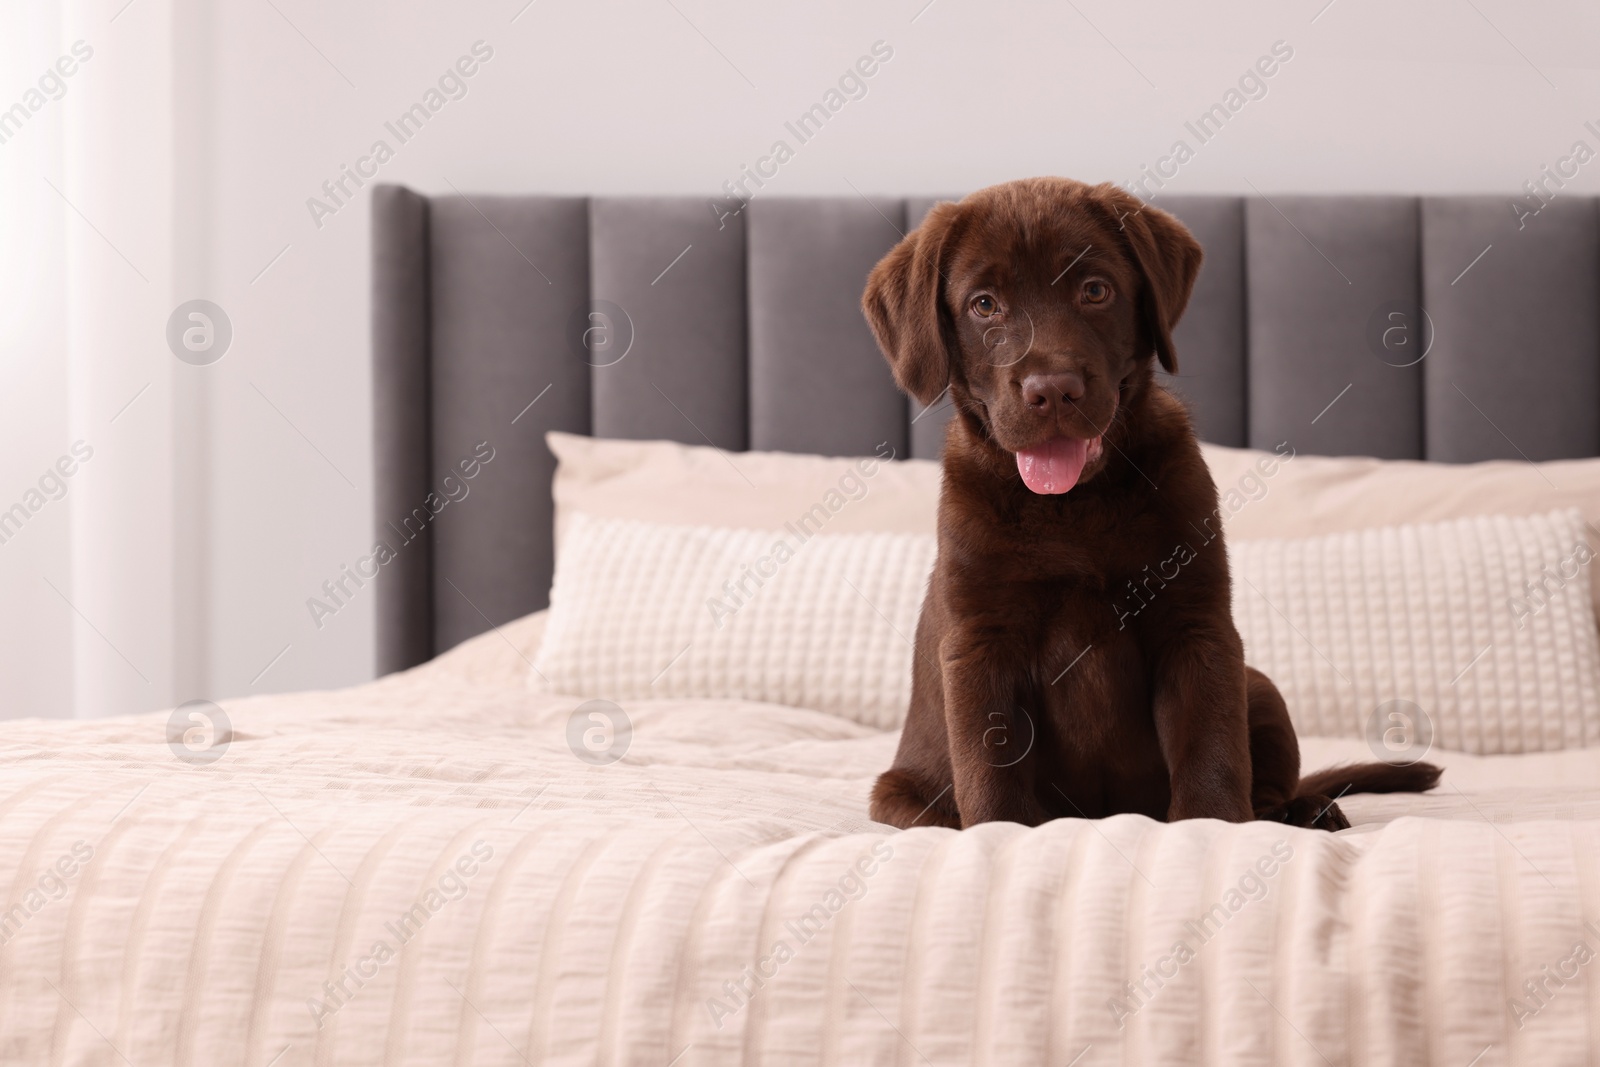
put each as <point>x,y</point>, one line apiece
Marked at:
<point>1072,479</point>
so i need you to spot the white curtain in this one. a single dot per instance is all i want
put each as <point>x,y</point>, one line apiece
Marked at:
<point>103,207</point>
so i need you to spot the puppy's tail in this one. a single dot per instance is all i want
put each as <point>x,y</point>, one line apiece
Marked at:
<point>1369,778</point>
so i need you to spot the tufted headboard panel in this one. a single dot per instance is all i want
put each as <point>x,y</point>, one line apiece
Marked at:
<point>1453,329</point>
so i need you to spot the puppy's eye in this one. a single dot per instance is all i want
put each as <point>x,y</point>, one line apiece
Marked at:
<point>1096,291</point>
<point>984,306</point>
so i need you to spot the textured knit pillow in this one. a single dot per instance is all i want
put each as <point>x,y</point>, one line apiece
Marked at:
<point>1483,623</point>
<point>643,610</point>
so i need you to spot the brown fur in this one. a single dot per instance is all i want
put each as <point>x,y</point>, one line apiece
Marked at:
<point>1038,690</point>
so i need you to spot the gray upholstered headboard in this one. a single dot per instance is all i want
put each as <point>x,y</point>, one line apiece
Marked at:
<point>498,318</point>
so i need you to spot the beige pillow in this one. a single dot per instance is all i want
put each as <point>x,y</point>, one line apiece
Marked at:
<point>1281,494</point>
<point>663,481</point>
<point>643,610</point>
<point>1263,494</point>
<point>1471,631</point>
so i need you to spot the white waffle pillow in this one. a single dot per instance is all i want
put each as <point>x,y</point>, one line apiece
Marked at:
<point>1483,623</point>
<point>643,610</point>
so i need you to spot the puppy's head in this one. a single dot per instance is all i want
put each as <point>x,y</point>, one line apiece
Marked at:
<point>1039,304</point>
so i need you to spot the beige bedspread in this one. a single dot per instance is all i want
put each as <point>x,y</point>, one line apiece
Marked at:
<point>420,871</point>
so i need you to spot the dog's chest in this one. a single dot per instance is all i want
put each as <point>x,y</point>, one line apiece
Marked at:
<point>1097,704</point>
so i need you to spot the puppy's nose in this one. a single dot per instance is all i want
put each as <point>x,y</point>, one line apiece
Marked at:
<point>1044,393</point>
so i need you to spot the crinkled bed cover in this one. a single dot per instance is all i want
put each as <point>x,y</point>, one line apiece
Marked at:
<point>419,871</point>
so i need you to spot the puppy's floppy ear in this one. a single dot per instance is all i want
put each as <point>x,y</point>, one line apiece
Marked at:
<point>902,305</point>
<point>1169,258</point>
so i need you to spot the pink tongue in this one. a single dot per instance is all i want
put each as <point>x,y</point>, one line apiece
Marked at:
<point>1054,466</point>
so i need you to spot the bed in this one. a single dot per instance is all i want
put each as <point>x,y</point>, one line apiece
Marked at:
<point>428,869</point>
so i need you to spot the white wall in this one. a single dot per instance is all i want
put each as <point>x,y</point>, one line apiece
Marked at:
<point>199,130</point>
